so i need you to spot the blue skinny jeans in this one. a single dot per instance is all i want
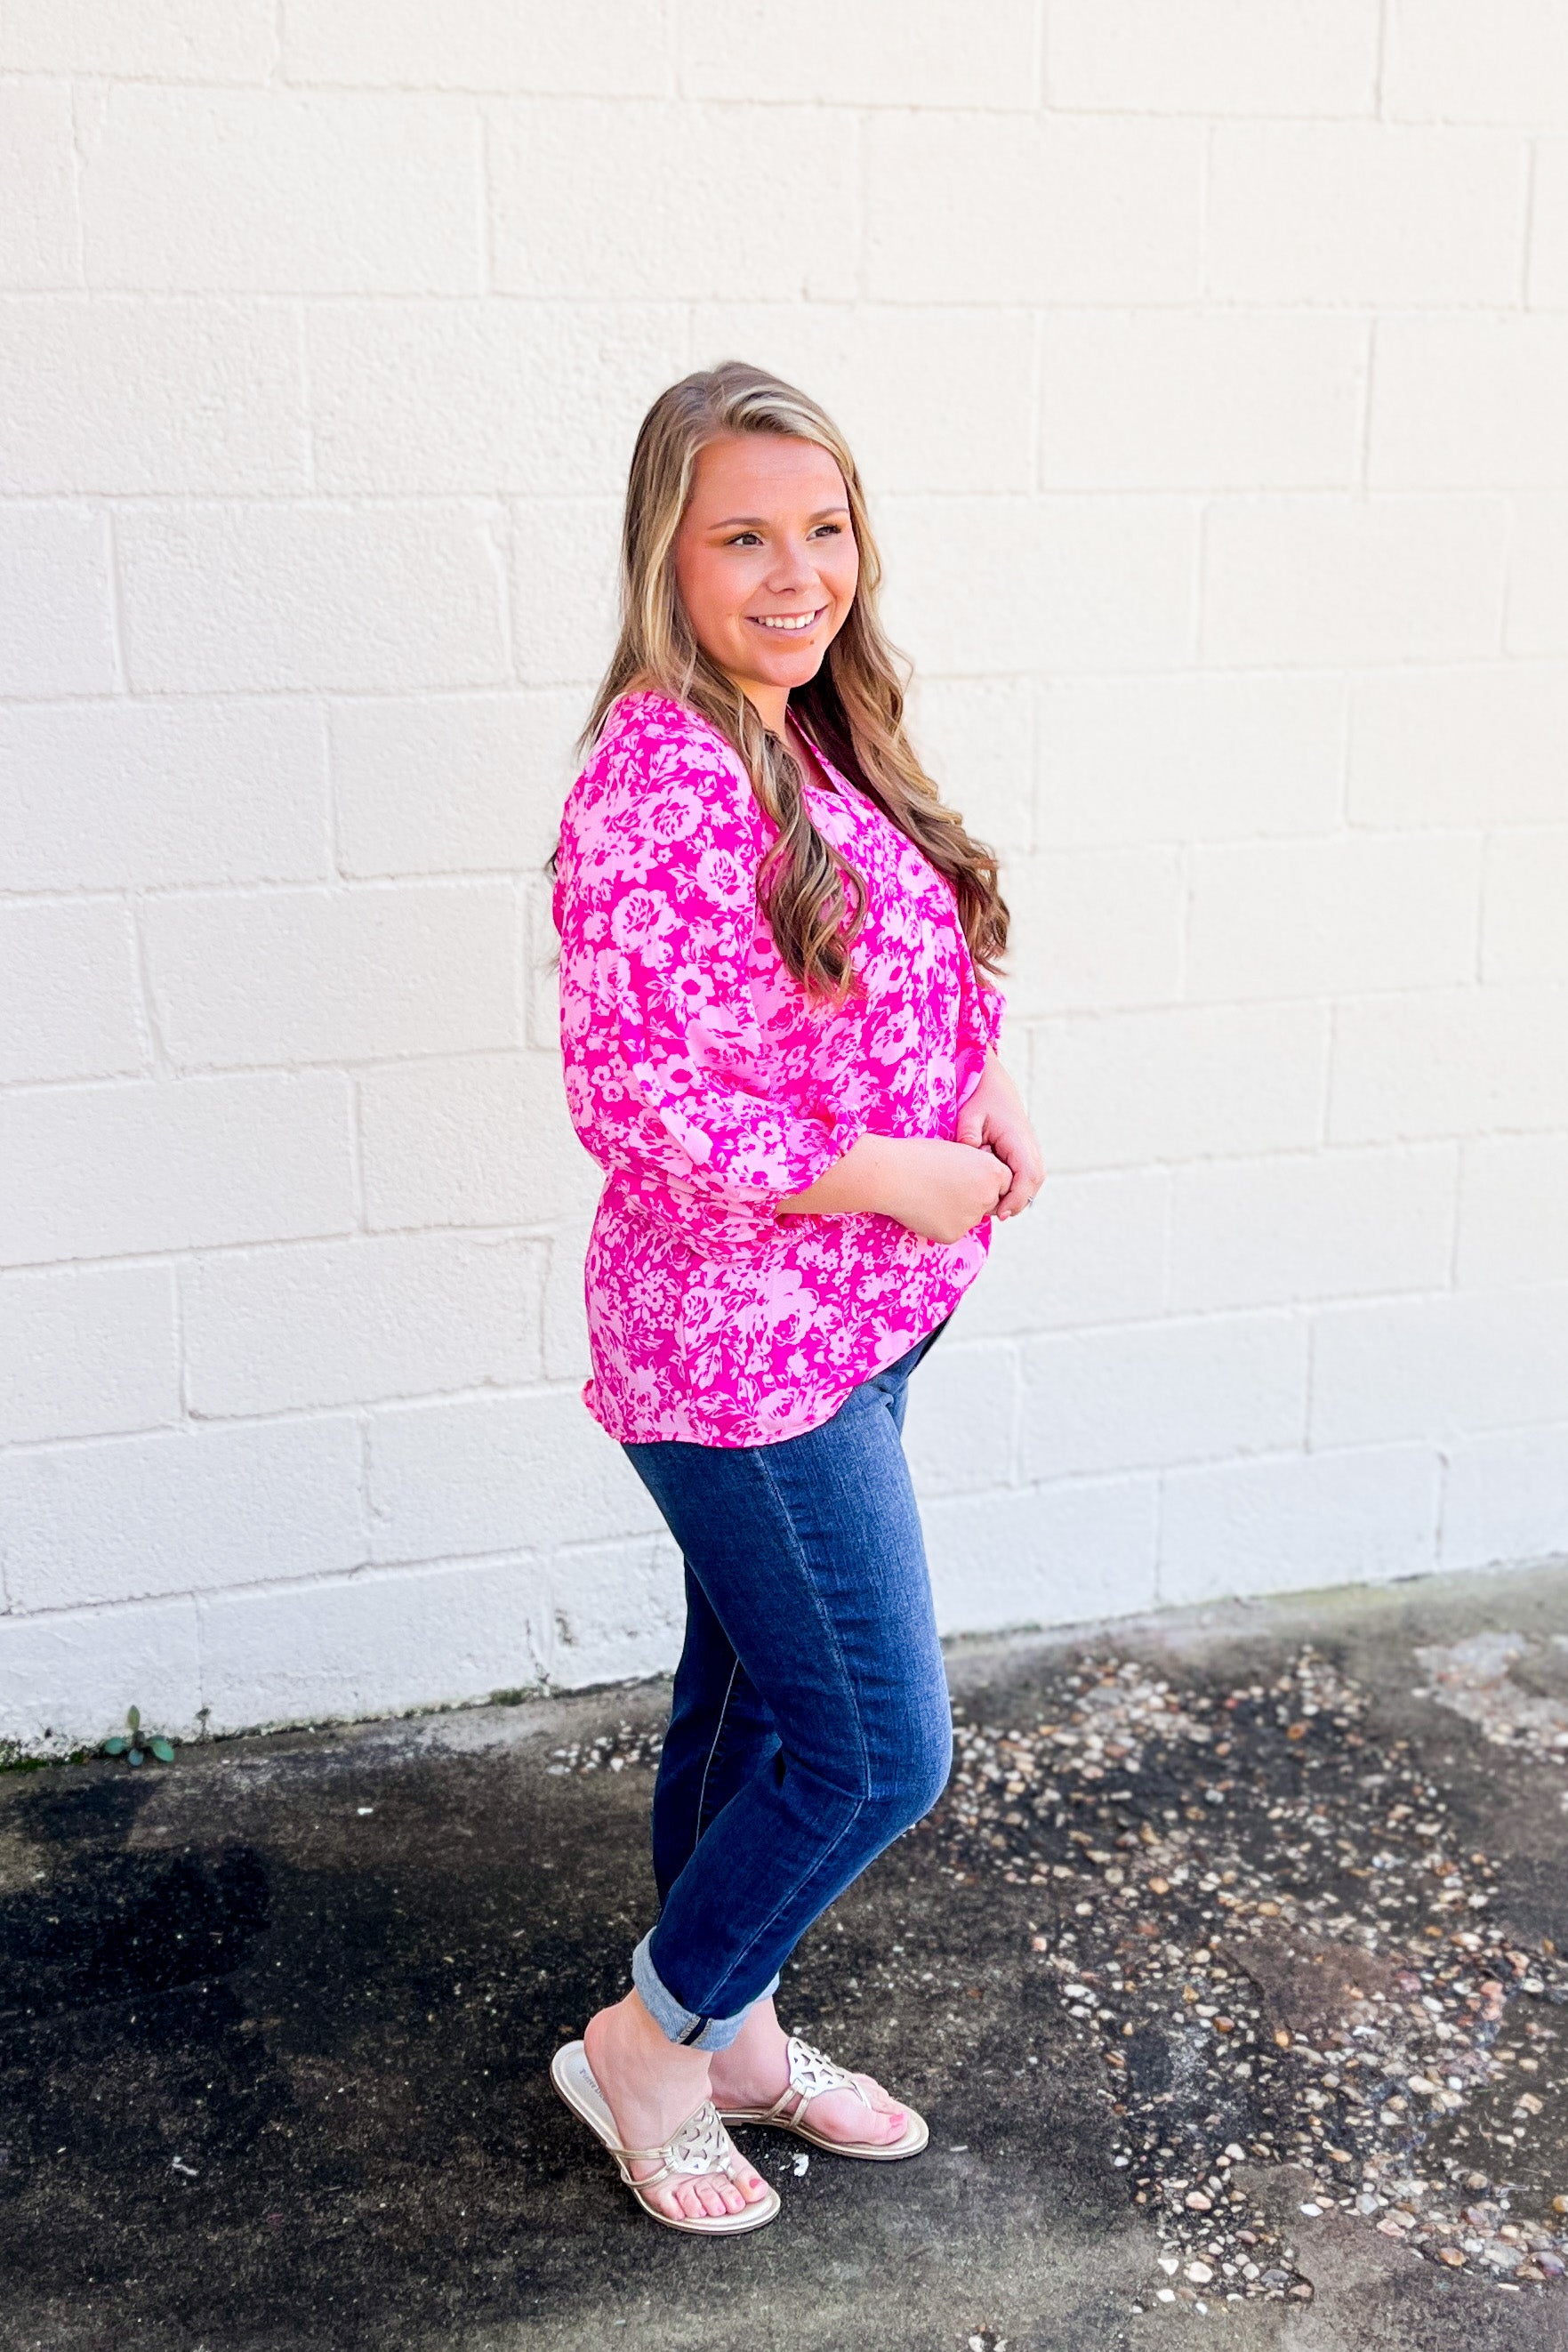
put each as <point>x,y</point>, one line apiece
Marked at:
<point>810,1721</point>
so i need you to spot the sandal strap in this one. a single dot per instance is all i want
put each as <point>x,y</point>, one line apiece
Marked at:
<point>701,2145</point>
<point>810,2075</point>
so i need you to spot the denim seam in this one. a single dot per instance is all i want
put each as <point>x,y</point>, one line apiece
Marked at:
<point>827,1624</point>
<point>860,1803</point>
<point>718,1735</point>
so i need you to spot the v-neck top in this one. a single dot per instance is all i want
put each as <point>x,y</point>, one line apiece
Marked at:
<point>710,1089</point>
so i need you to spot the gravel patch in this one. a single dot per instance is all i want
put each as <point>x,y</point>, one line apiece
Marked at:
<point>1514,1690</point>
<point>1255,1905</point>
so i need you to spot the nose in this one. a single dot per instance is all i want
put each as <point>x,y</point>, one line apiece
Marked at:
<point>794,569</point>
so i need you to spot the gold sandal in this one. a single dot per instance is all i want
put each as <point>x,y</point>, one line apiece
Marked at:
<point>809,2075</point>
<point>700,2146</point>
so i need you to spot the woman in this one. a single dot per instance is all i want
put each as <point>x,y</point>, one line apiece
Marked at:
<point>777,1045</point>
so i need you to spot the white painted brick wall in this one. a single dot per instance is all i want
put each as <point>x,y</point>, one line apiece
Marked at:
<point>88,1350</point>
<point>175,1163</point>
<point>332,974</point>
<point>327,1323</point>
<point>1548,283</point>
<point>1513,1225</point>
<point>599,46</point>
<point>122,1517</point>
<point>1537,610</point>
<point>1366,213</point>
<point>1523,935</point>
<point>1212,57</point>
<point>1182,1390</point>
<point>1423,745</point>
<point>1207,361</point>
<point>40,235</point>
<point>266,597</point>
<point>60,635</point>
<point>67,981</point>
<point>130,793</point>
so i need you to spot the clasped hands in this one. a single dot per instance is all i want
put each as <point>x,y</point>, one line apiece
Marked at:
<point>941,1190</point>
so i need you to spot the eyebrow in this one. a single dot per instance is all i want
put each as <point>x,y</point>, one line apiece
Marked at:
<point>759,522</point>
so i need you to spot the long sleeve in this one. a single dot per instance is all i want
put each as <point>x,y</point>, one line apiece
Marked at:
<point>667,1059</point>
<point>711,1087</point>
<point>991,1006</point>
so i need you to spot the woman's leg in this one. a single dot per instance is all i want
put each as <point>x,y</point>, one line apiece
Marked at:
<point>810,1554</point>
<point>754,2070</point>
<point>840,1494</point>
<point>721,1729</point>
<point>721,1732</point>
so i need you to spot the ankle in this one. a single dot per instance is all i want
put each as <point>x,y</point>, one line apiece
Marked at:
<point>761,2035</point>
<point>625,2038</point>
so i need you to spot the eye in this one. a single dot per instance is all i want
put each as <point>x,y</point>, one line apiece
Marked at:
<point>834,530</point>
<point>745,539</point>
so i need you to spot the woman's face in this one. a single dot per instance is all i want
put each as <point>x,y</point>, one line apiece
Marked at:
<point>766,561</point>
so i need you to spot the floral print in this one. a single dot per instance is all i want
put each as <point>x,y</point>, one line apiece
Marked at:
<point>709,1087</point>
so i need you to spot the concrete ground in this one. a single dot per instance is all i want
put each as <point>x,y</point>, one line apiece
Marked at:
<point>275,2020</point>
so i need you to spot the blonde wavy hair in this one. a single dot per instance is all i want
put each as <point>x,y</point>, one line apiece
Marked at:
<point>852,710</point>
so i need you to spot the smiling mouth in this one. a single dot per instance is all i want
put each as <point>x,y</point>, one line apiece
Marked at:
<point>788,624</point>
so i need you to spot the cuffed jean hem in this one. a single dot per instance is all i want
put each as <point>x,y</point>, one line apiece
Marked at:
<point>685,2025</point>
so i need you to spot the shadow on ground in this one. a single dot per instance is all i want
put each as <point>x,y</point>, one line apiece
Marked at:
<point>275,2021</point>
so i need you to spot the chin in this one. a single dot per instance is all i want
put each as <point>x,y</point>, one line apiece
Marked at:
<point>797,668</point>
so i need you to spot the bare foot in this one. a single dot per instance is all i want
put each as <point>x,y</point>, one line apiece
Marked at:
<point>651,2087</point>
<point>755,2071</point>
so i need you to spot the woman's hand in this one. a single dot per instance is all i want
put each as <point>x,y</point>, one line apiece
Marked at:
<point>940,1191</point>
<point>994,1119</point>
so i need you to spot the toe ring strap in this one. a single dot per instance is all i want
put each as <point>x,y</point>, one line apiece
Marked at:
<point>810,2075</point>
<point>701,2145</point>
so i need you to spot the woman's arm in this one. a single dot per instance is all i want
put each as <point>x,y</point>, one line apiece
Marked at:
<point>994,1119</point>
<point>940,1191</point>
<point>655,901</point>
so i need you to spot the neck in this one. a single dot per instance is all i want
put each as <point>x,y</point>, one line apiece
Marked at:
<point>771,703</point>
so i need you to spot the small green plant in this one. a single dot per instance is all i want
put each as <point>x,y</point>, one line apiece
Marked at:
<point>135,1743</point>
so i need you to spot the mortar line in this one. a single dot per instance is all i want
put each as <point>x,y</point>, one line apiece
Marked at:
<point>1460,1150</point>
<point>1346,752</point>
<point>114,598</point>
<point>182,1363</point>
<point>362,1426</point>
<point>307,399</point>
<point>1531,174</point>
<point>487,223</point>
<point>860,196</point>
<point>1364,422</point>
<point>356,1154</point>
<point>74,96</point>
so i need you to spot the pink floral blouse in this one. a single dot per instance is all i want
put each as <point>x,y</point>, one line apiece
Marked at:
<point>710,1089</point>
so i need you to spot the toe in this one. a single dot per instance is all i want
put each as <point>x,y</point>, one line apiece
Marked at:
<point>888,2119</point>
